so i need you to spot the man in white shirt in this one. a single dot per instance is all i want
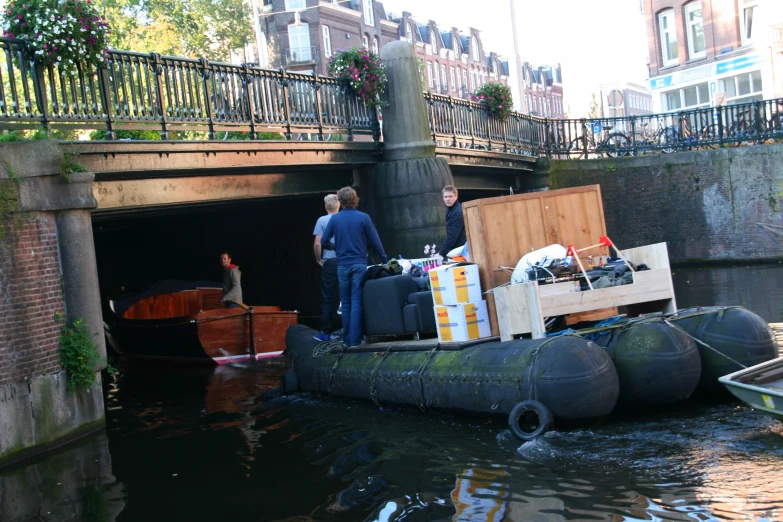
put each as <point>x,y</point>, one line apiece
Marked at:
<point>328,262</point>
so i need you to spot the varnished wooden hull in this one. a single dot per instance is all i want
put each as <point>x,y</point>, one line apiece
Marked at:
<point>216,336</point>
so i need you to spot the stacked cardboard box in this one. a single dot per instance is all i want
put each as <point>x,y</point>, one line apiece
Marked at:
<point>460,312</point>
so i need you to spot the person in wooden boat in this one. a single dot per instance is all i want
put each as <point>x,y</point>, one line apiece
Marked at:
<point>352,231</point>
<point>455,224</point>
<point>328,261</point>
<point>232,288</point>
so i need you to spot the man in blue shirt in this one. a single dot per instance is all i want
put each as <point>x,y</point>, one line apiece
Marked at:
<point>352,231</point>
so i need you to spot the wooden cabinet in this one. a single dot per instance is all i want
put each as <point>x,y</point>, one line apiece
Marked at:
<point>502,230</point>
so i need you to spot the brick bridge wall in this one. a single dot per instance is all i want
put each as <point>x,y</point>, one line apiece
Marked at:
<point>704,204</point>
<point>30,295</point>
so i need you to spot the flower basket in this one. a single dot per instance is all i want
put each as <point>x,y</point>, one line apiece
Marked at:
<point>497,98</point>
<point>62,33</point>
<point>362,70</point>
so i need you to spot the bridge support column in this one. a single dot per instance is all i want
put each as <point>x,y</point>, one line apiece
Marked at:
<point>47,269</point>
<point>406,185</point>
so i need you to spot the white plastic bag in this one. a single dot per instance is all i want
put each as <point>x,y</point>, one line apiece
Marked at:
<point>542,257</point>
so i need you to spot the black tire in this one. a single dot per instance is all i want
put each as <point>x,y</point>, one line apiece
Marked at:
<point>290,382</point>
<point>530,419</point>
<point>575,149</point>
<point>617,145</point>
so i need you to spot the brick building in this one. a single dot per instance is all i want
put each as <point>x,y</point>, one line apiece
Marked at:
<point>453,63</point>
<point>323,27</point>
<point>543,90</point>
<point>704,51</point>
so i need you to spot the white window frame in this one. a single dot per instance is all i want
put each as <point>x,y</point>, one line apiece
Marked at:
<point>409,33</point>
<point>304,50</point>
<point>369,15</point>
<point>327,41</point>
<point>375,45</point>
<point>474,48</point>
<point>295,5</point>
<point>436,68</point>
<point>431,78</point>
<point>433,41</point>
<point>670,30</point>
<point>744,7</point>
<point>453,78</point>
<point>690,26</point>
<point>455,45</point>
<point>465,78</point>
<point>365,41</point>
<point>443,75</point>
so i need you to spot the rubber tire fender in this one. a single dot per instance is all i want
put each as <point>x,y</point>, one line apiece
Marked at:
<point>530,413</point>
<point>290,382</point>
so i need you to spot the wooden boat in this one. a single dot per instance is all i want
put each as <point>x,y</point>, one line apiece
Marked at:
<point>193,326</point>
<point>760,386</point>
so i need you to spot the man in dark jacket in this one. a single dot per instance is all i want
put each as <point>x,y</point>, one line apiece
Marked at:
<point>232,290</point>
<point>455,224</point>
<point>352,231</point>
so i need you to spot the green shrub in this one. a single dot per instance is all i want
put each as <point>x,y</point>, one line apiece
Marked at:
<point>78,355</point>
<point>126,135</point>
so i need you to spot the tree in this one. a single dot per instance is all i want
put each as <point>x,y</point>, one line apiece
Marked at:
<point>192,28</point>
<point>594,109</point>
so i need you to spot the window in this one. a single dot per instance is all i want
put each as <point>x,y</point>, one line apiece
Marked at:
<point>742,88</point>
<point>465,79</point>
<point>429,74</point>
<point>687,98</point>
<point>366,41</point>
<point>327,41</point>
<point>455,44</point>
<point>474,48</point>
<point>299,43</point>
<point>375,44</point>
<point>458,79</point>
<point>408,33</point>
<point>695,30</point>
<point>472,81</point>
<point>748,9</point>
<point>437,78</point>
<point>445,78</point>
<point>369,16</point>
<point>453,79</point>
<point>291,5</point>
<point>495,70</point>
<point>434,41</point>
<point>669,51</point>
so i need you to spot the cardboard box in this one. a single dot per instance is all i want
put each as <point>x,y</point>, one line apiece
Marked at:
<point>462,322</point>
<point>455,284</point>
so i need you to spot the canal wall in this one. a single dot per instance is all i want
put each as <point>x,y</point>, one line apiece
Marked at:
<point>704,204</point>
<point>47,278</point>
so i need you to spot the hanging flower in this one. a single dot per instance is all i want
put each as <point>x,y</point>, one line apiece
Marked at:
<point>43,23</point>
<point>496,97</point>
<point>362,70</point>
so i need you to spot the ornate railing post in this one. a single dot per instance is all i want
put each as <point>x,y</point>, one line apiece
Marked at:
<point>453,114</point>
<point>105,90</point>
<point>431,113</point>
<point>472,131</point>
<point>632,137</point>
<point>286,102</point>
<point>548,137</point>
<point>719,112</point>
<point>583,122</point>
<point>759,129</point>
<point>247,86</point>
<point>39,85</point>
<point>157,69</point>
<point>489,129</point>
<point>348,111</point>
<point>317,88</point>
<point>206,73</point>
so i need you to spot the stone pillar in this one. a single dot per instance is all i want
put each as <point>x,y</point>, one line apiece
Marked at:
<point>406,186</point>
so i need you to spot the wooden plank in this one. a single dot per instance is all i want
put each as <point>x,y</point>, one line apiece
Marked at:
<point>592,315</point>
<point>651,285</point>
<point>656,257</point>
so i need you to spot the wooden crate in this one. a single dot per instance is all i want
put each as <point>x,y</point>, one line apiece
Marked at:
<point>502,230</point>
<point>522,308</point>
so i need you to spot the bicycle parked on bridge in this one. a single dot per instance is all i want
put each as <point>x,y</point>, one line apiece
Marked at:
<point>613,144</point>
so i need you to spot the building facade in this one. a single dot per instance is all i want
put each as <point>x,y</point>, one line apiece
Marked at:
<point>543,90</point>
<point>708,52</point>
<point>301,35</point>
<point>452,63</point>
<point>628,99</point>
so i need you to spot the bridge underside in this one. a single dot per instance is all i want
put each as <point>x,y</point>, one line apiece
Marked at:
<point>157,176</point>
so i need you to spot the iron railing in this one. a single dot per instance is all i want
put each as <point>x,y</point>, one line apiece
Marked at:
<point>465,124</point>
<point>137,91</point>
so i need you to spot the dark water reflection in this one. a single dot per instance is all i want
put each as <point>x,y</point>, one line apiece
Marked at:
<point>205,444</point>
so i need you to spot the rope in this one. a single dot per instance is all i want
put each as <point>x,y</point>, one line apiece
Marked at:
<point>423,404</point>
<point>763,231</point>
<point>532,392</point>
<point>373,388</point>
<point>334,367</point>
<point>706,345</point>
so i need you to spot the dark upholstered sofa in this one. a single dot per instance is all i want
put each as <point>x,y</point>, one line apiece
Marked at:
<point>393,305</point>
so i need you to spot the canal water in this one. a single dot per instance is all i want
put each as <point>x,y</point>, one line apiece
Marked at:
<point>216,444</point>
